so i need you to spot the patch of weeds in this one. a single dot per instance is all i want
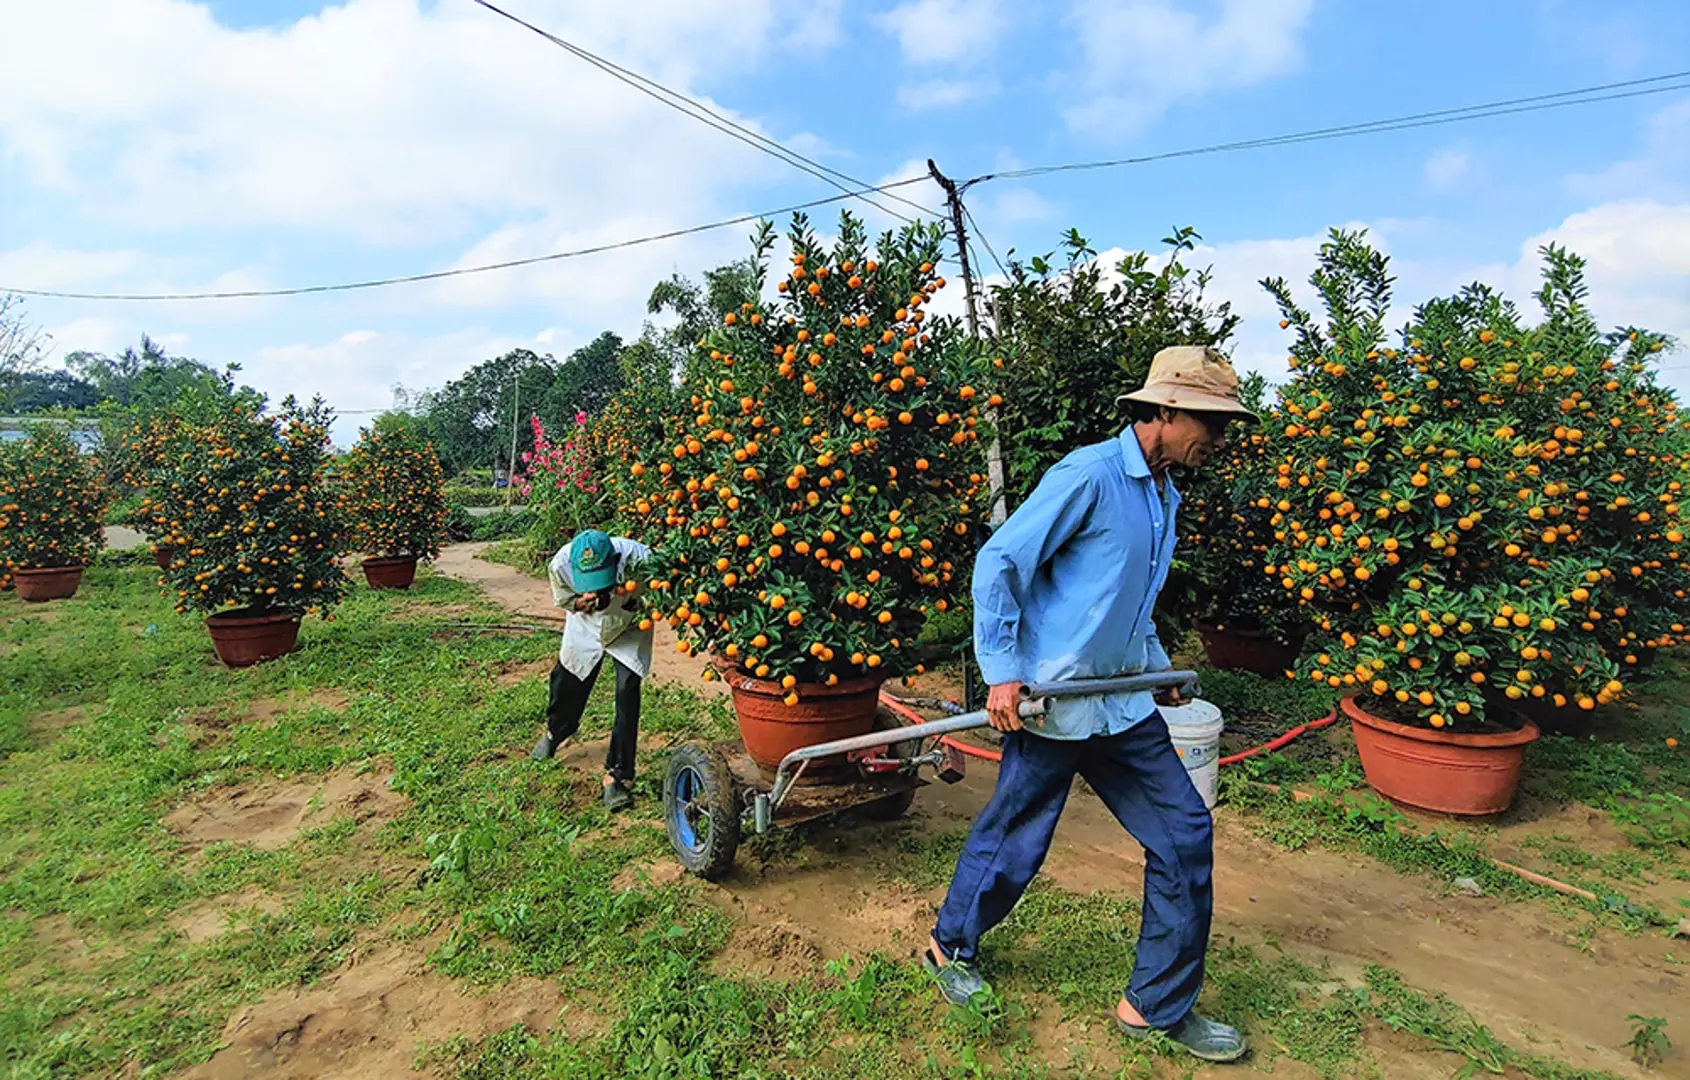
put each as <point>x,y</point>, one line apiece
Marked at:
<point>1649,1043</point>
<point>1661,819</point>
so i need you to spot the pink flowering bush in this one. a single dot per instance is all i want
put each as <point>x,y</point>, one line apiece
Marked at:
<point>560,482</point>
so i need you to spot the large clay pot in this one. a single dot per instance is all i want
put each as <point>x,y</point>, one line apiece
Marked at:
<point>391,571</point>
<point>1450,772</point>
<point>50,583</point>
<point>243,639</point>
<point>772,729</point>
<point>163,554</point>
<point>1237,648</point>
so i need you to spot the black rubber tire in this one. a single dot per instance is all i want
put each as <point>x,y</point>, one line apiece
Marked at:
<point>699,777</point>
<point>895,806</point>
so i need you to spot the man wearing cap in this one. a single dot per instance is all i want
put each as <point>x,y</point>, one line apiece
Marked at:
<point>593,576</point>
<point>1065,589</point>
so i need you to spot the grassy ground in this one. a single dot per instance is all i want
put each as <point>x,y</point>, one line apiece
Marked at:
<point>114,717</point>
<point>1629,770</point>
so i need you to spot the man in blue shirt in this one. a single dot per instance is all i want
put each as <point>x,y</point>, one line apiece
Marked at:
<point>1065,589</point>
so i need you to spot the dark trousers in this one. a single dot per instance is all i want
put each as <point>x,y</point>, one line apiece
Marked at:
<point>1140,777</point>
<point>569,700</point>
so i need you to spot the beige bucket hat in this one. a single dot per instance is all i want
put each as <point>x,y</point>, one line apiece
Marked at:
<point>1196,378</point>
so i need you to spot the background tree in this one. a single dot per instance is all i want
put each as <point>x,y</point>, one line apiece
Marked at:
<point>149,379</point>
<point>585,382</point>
<point>47,391</point>
<point>21,347</point>
<point>469,419</point>
<point>1077,335</point>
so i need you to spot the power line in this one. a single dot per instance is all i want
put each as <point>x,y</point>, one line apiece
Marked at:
<point>980,234</point>
<point>436,275</point>
<point>705,115</point>
<point>1535,103</point>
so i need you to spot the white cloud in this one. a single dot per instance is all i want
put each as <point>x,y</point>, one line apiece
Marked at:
<point>1141,56</point>
<point>378,118</point>
<point>1661,170</point>
<point>945,31</point>
<point>943,93</point>
<point>1446,168</point>
<point>358,337</point>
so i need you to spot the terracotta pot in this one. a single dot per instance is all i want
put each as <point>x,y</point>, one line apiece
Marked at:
<point>391,571</point>
<point>1236,648</point>
<point>50,583</point>
<point>243,639</point>
<point>772,729</point>
<point>162,554</point>
<point>1450,772</point>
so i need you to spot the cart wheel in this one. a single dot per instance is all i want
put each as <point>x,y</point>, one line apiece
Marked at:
<point>700,810</point>
<point>895,806</point>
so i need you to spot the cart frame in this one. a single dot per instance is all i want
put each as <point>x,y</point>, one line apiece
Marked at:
<point>713,792</point>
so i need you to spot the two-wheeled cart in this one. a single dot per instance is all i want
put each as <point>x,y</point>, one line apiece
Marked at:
<point>713,792</point>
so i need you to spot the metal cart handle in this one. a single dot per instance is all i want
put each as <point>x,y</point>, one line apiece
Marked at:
<point>1036,701</point>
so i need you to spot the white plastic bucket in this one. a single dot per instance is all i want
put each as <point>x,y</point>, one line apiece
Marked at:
<point>1196,731</point>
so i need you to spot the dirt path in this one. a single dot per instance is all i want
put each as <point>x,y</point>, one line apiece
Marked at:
<point>1517,967</point>
<point>523,595</point>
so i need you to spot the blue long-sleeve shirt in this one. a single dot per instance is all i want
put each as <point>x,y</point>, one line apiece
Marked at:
<point>1065,588</point>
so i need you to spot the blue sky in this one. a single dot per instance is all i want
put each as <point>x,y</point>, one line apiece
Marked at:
<point>151,145</point>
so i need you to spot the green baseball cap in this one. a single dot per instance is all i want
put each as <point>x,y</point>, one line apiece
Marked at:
<point>592,561</point>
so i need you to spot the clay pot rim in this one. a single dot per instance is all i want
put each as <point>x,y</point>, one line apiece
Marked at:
<point>1481,741</point>
<point>389,560</point>
<point>766,688</point>
<point>235,617</point>
<point>78,567</point>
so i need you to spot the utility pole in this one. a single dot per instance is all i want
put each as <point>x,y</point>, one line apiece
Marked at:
<point>994,454</point>
<point>516,413</point>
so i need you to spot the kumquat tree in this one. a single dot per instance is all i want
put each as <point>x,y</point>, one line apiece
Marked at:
<point>1224,539</point>
<point>1486,519</point>
<point>395,492</point>
<point>818,494</point>
<point>52,504</point>
<point>238,493</point>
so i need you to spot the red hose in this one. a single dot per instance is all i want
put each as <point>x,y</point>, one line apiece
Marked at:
<point>992,755</point>
<point>944,740</point>
<point>1269,747</point>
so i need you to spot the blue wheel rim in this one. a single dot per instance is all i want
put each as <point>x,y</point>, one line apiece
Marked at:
<point>686,813</point>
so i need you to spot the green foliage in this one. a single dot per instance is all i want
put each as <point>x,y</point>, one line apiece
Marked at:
<point>239,493</point>
<point>52,504</point>
<point>393,489</point>
<point>1075,334</point>
<point>1649,1043</point>
<point>1225,535</point>
<point>473,495</point>
<point>501,525</point>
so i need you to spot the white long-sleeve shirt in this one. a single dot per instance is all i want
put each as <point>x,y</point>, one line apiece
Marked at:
<point>615,630</point>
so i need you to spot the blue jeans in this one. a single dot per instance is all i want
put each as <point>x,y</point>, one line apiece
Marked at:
<point>1140,777</point>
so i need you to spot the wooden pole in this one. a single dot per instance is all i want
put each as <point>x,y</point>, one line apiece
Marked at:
<point>994,453</point>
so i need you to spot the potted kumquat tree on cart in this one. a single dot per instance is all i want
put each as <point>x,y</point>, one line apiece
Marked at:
<point>818,494</point>
<point>1482,526</point>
